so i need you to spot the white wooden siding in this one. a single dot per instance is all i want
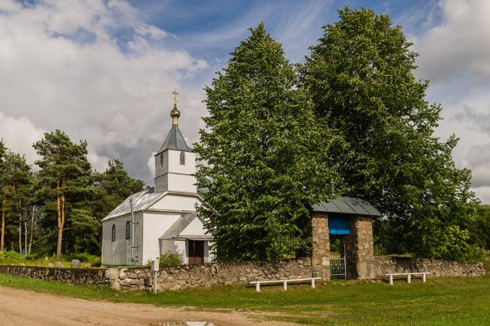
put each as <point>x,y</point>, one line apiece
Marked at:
<point>118,252</point>
<point>155,225</point>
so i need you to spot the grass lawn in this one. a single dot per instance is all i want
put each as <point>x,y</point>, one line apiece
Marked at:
<point>444,302</point>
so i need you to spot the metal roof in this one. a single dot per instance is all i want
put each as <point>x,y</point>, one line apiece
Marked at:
<point>141,201</point>
<point>347,205</point>
<point>174,140</point>
<point>182,222</point>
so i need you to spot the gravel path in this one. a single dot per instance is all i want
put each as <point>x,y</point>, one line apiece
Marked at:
<point>26,308</point>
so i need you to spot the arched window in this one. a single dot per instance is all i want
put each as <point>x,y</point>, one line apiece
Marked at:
<point>182,158</point>
<point>128,230</point>
<point>161,159</point>
<point>113,232</point>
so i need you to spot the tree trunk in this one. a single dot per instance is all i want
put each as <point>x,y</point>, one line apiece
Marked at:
<point>25,236</point>
<point>61,218</point>
<point>60,242</point>
<point>4,208</point>
<point>32,229</point>
<point>20,236</point>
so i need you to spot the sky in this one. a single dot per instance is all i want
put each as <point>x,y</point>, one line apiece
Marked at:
<point>104,70</point>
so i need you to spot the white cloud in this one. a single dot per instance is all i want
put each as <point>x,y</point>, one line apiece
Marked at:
<point>92,69</point>
<point>455,56</point>
<point>460,43</point>
<point>19,134</point>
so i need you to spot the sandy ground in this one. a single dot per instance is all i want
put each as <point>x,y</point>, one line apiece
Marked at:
<point>20,307</point>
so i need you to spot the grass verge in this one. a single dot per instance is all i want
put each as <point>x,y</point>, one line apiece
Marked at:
<point>449,301</point>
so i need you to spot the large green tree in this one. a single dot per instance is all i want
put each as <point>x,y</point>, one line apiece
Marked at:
<point>16,182</point>
<point>66,181</point>
<point>360,76</point>
<point>264,155</point>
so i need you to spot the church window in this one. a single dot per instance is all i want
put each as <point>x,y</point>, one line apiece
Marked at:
<point>128,230</point>
<point>113,232</point>
<point>182,158</point>
<point>161,159</point>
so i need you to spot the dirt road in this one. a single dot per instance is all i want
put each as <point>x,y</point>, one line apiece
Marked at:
<point>26,308</point>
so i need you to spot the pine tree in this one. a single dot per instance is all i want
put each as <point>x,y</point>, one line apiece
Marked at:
<point>15,181</point>
<point>66,179</point>
<point>263,153</point>
<point>360,76</point>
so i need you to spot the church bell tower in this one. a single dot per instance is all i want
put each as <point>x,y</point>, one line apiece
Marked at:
<point>175,163</point>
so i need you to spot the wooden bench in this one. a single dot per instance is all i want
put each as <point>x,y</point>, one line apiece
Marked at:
<point>285,282</point>
<point>409,276</point>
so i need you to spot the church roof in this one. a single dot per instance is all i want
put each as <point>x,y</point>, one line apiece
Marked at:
<point>176,229</point>
<point>141,201</point>
<point>175,141</point>
<point>347,205</point>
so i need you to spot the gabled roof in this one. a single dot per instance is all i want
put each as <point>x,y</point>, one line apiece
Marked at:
<point>141,201</point>
<point>174,140</point>
<point>347,205</point>
<point>182,222</point>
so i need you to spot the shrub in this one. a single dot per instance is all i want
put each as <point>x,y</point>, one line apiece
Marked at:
<point>169,259</point>
<point>10,258</point>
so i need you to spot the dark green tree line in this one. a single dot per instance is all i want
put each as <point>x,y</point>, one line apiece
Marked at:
<point>59,208</point>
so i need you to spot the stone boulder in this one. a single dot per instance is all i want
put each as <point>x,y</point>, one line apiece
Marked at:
<point>75,263</point>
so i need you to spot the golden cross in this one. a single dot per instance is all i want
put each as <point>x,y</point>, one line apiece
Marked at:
<point>175,96</point>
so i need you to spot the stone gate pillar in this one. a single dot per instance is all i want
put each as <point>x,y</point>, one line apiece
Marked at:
<point>320,256</point>
<point>360,249</point>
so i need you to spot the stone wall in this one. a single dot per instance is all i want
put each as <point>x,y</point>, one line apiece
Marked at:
<point>206,275</point>
<point>65,275</point>
<point>321,245</point>
<point>438,268</point>
<point>360,248</point>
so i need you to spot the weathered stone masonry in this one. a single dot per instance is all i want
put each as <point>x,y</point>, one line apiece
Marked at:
<point>64,275</point>
<point>320,255</point>
<point>183,277</point>
<point>360,249</point>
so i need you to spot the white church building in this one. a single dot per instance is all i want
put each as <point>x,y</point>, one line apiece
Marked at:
<point>162,218</point>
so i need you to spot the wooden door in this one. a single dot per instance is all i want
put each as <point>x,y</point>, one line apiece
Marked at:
<point>196,252</point>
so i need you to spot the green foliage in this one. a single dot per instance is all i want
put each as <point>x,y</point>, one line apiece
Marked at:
<point>264,155</point>
<point>480,228</point>
<point>10,258</point>
<point>66,183</point>
<point>360,76</point>
<point>16,182</point>
<point>171,259</point>
<point>84,257</point>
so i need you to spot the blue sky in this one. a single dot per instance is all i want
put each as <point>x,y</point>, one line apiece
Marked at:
<point>104,70</point>
<point>216,27</point>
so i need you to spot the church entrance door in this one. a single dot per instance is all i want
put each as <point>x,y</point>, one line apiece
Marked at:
<point>196,252</point>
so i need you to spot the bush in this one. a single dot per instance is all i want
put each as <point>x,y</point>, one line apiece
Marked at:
<point>10,258</point>
<point>169,259</point>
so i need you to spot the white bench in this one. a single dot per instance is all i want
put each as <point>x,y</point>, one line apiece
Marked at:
<point>285,282</point>
<point>409,276</point>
